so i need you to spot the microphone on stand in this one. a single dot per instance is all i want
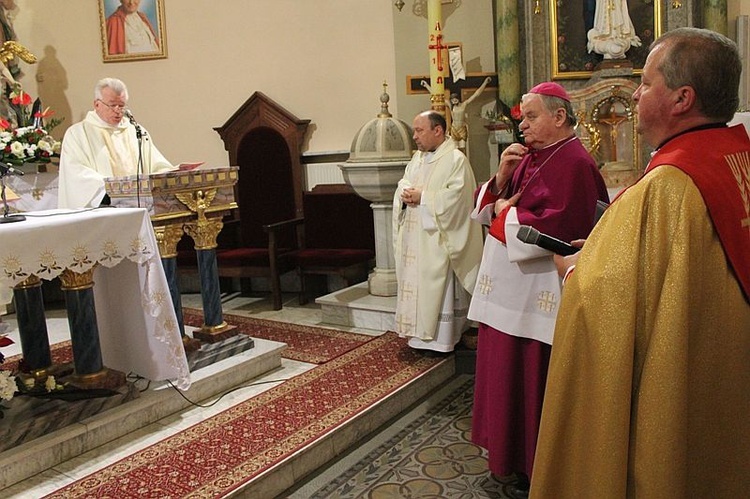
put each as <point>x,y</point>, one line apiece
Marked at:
<point>6,169</point>
<point>530,235</point>
<point>131,118</point>
<point>139,136</point>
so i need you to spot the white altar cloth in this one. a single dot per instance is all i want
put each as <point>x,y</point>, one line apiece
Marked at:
<point>37,191</point>
<point>138,328</point>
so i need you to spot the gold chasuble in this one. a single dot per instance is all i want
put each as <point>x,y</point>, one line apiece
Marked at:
<point>648,393</point>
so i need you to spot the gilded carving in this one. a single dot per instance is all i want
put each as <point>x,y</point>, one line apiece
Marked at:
<point>167,237</point>
<point>74,281</point>
<point>30,282</point>
<point>204,232</point>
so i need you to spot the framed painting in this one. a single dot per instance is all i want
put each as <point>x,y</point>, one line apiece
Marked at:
<point>132,30</point>
<point>571,21</point>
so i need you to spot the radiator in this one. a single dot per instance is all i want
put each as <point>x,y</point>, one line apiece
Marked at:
<point>323,173</point>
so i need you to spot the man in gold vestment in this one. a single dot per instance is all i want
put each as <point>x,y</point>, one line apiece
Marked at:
<point>648,393</point>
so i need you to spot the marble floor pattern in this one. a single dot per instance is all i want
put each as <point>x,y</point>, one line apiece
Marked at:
<point>418,423</point>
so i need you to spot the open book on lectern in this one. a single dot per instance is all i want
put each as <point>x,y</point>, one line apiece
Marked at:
<point>189,166</point>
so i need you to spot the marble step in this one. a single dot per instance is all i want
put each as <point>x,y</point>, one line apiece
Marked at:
<point>328,447</point>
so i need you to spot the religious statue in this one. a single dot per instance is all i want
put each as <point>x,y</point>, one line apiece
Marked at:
<point>459,129</point>
<point>10,66</point>
<point>7,33</point>
<point>613,33</point>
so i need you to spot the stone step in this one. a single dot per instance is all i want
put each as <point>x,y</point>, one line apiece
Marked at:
<point>330,446</point>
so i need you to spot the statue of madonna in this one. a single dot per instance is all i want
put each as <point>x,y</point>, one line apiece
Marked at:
<point>613,33</point>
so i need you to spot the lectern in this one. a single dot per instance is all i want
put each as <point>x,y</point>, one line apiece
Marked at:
<point>193,202</point>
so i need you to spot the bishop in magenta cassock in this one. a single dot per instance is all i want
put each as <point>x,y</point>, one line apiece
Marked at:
<point>551,184</point>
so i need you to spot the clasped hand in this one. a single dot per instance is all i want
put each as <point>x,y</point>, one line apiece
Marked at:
<point>502,204</point>
<point>563,263</point>
<point>412,196</point>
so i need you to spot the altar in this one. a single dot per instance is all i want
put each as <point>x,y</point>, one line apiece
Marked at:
<point>137,327</point>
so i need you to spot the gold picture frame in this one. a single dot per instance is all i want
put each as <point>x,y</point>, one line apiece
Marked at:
<point>569,24</point>
<point>121,44</point>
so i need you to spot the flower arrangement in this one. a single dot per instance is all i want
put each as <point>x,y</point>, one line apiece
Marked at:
<point>24,138</point>
<point>8,386</point>
<point>12,383</point>
<point>509,116</point>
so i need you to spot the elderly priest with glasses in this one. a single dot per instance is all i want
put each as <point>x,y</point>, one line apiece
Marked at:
<point>107,143</point>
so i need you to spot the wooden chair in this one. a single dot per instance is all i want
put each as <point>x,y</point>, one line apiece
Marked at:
<point>339,237</point>
<point>269,262</point>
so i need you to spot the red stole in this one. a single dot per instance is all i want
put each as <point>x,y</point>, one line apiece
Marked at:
<point>718,162</point>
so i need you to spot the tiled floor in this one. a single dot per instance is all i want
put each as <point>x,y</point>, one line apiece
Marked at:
<point>400,429</point>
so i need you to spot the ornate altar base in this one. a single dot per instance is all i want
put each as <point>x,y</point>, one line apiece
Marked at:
<point>30,417</point>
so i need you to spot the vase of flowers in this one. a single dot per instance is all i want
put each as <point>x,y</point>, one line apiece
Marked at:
<point>505,120</point>
<point>8,386</point>
<point>24,132</point>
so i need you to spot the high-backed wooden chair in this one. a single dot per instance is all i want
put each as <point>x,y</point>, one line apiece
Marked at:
<point>264,140</point>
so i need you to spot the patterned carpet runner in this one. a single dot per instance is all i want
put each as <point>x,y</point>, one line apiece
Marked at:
<point>315,345</point>
<point>61,353</point>
<point>220,454</point>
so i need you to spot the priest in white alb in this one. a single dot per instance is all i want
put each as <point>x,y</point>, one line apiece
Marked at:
<point>437,249</point>
<point>105,144</point>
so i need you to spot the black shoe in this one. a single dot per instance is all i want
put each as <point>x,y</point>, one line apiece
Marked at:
<point>520,488</point>
<point>518,491</point>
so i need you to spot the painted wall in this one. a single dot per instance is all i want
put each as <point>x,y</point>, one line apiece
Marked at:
<point>323,60</point>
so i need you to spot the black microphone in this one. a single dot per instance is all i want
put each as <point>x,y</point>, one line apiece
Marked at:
<point>138,130</point>
<point>130,116</point>
<point>6,169</point>
<point>530,235</point>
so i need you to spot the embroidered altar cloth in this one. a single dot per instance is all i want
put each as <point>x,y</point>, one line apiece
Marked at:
<point>137,324</point>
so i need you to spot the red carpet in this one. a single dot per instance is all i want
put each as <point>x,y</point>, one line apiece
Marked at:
<point>315,345</point>
<point>217,456</point>
<point>61,353</point>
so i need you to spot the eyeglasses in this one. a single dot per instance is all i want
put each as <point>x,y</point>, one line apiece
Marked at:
<point>114,107</point>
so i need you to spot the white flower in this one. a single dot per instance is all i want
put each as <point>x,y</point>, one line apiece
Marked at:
<point>50,384</point>
<point>18,150</point>
<point>23,130</point>
<point>7,385</point>
<point>45,146</point>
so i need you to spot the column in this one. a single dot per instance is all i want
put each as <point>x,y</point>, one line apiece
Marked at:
<point>32,326</point>
<point>382,280</point>
<point>84,331</point>
<point>507,51</point>
<point>167,237</point>
<point>204,232</point>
